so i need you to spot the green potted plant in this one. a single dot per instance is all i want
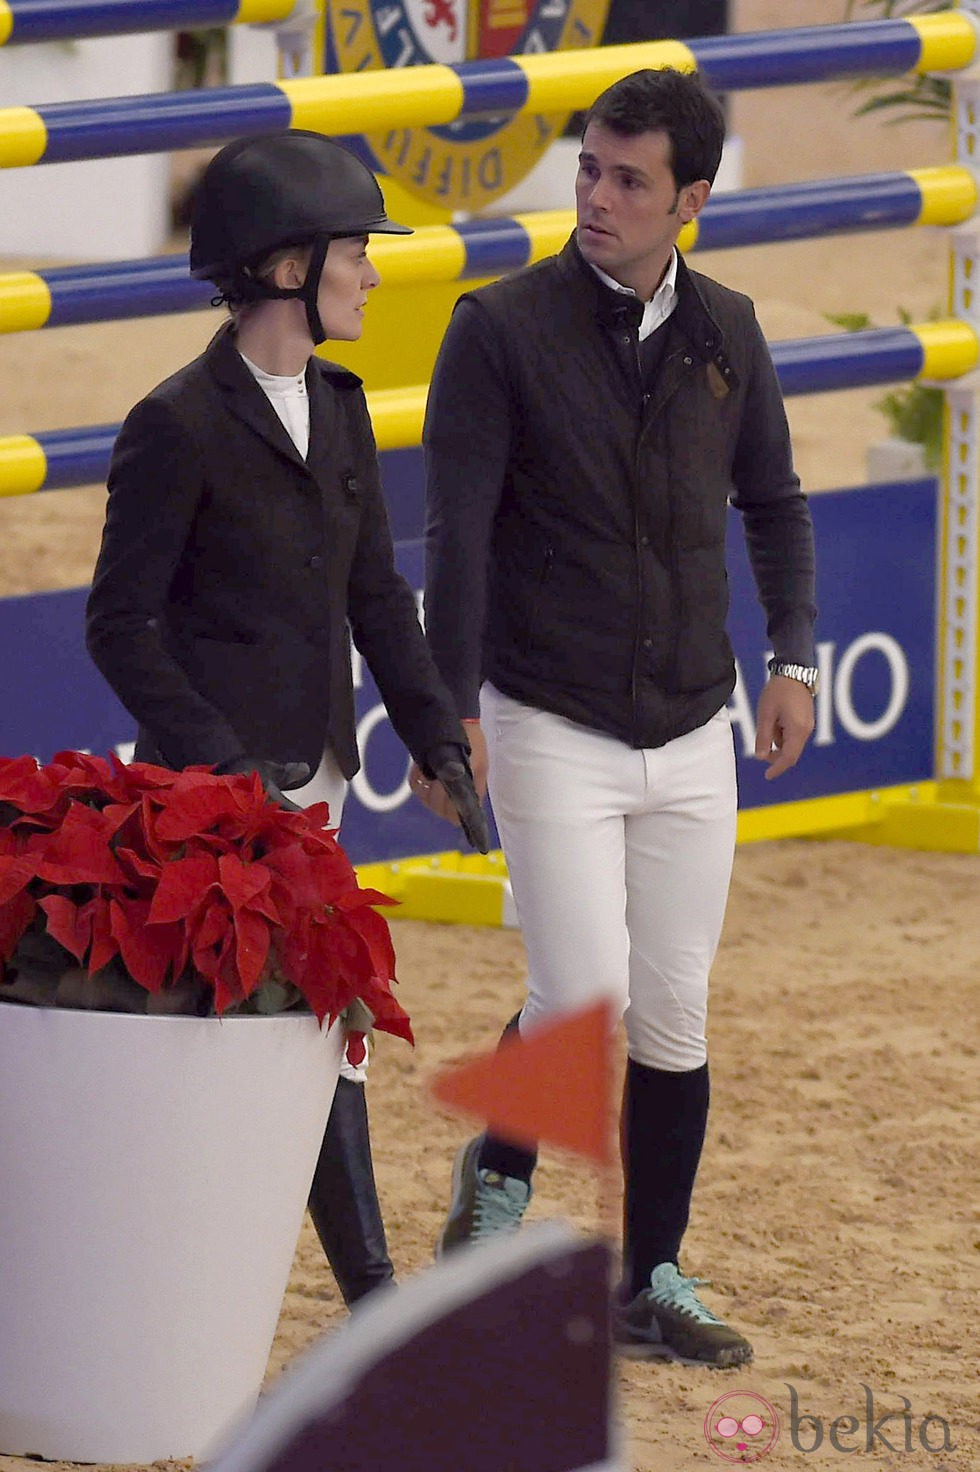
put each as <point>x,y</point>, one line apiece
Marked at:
<point>178,955</point>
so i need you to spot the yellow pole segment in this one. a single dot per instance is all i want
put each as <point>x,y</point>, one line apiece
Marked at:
<point>261,12</point>
<point>436,253</point>
<point>23,465</point>
<point>6,22</point>
<point>949,41</point>
<point>397,415</point>
<point>949,194</point>
<point>23,137</point>
<point>412,96</point>
<point>950,348</point>
<point>560,80</point>
<point>25,301</point>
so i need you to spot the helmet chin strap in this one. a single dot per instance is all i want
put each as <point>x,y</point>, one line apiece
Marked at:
<point>310,289</point>
<point>252,289</point>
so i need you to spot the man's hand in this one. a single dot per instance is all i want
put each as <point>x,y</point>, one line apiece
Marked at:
<point>784,723</point>
<point>276,777</point>
<point>449,789</point>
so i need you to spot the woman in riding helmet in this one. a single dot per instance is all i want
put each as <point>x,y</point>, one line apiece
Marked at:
<point>246,540</point>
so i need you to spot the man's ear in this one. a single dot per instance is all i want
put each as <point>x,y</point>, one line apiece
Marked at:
<point>693,198</point>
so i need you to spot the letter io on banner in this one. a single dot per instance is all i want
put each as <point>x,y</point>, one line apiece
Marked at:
<point>868,716</point>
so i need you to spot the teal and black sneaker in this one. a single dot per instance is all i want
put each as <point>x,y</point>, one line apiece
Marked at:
<point>668,1320</point>
<point>484,1203</point>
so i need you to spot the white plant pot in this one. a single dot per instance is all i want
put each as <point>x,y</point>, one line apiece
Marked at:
<point>154,1175</point>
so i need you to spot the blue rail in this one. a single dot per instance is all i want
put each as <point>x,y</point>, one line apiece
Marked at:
<point>23,22</point>
<point>440,94</point>
<point>53,460</point>
<point>946,195</point>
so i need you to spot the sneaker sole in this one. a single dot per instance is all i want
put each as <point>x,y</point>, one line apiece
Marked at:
<point>645,1349</point>
<point>455,1185</point>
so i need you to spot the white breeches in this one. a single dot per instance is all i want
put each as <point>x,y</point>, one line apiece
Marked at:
<point>620,862</point>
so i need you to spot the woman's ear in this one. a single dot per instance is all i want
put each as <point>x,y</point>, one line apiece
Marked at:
<point>289,271</point>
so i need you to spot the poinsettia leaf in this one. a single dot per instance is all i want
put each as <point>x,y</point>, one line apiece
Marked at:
<point>389,1015</point>
<point>136,864</point>
<point>213,923</point>
<point>157,847</point>
<point>356,1049</point>
<point>369,897</point>
<point>70,925</point>
<point>82,770</point>
<point>26,786</point>
<point>184,884</point>
<point>373,929</point>
<point>140,777</point>
<point>15,917</point>
<point>147,950</point>
<point>242,884</point>
<point>318,816</point>
<point>295,879</point>
<point>116,814</point>
<point>349,950</point>
<point>227,982</point>
<point>104,945</point>
<point>78,852</point>
<point>251,948</point>
<point>16,873</point>
<point>199,800</point>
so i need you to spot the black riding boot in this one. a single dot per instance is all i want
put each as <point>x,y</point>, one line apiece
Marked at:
<point>344,1200</point>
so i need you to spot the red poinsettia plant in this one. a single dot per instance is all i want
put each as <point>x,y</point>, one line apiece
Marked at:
<point>194,891</point>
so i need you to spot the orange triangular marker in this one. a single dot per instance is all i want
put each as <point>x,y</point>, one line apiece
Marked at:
<point>553,1086</point>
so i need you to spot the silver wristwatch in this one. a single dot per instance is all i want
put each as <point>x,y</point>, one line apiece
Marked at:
<point>807,674</point>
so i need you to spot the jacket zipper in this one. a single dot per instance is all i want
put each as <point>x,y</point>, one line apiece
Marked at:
<point>637,637</point>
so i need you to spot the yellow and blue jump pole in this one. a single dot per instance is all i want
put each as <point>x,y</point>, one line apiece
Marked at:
<point>23,22</point>
<point>440,94</point>
<point>947,350</point>
<point>477,250</point>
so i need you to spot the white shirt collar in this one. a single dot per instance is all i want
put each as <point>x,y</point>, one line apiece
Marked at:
<point>660,305</point>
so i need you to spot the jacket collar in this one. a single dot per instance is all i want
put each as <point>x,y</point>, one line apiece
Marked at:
<point>615,309</point>
<point>246,400</point>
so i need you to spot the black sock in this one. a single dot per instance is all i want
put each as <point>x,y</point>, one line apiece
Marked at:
<point>665,1115</point>
<point>501,1155</point>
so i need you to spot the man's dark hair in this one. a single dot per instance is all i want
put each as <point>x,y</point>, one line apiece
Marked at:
<point>671,102</point>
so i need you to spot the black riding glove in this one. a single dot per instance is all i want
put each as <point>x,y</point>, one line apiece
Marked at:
<point>275,776</point>
<point>448,764</point>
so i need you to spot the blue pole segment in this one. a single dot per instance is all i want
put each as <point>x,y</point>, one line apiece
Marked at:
<point>799,211</point>
<point>814,365</point>
<point>160,121</point>
<point>491,87</point>
<point>493,247</point>
<point>68,20</point>
<point>807,54</point>
<point>77,457</point>
<point>130,289</point>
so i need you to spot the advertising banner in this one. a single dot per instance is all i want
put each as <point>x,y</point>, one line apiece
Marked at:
<point>876,557</point>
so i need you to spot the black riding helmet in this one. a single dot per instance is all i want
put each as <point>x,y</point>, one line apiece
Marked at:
<point>271,190</point>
